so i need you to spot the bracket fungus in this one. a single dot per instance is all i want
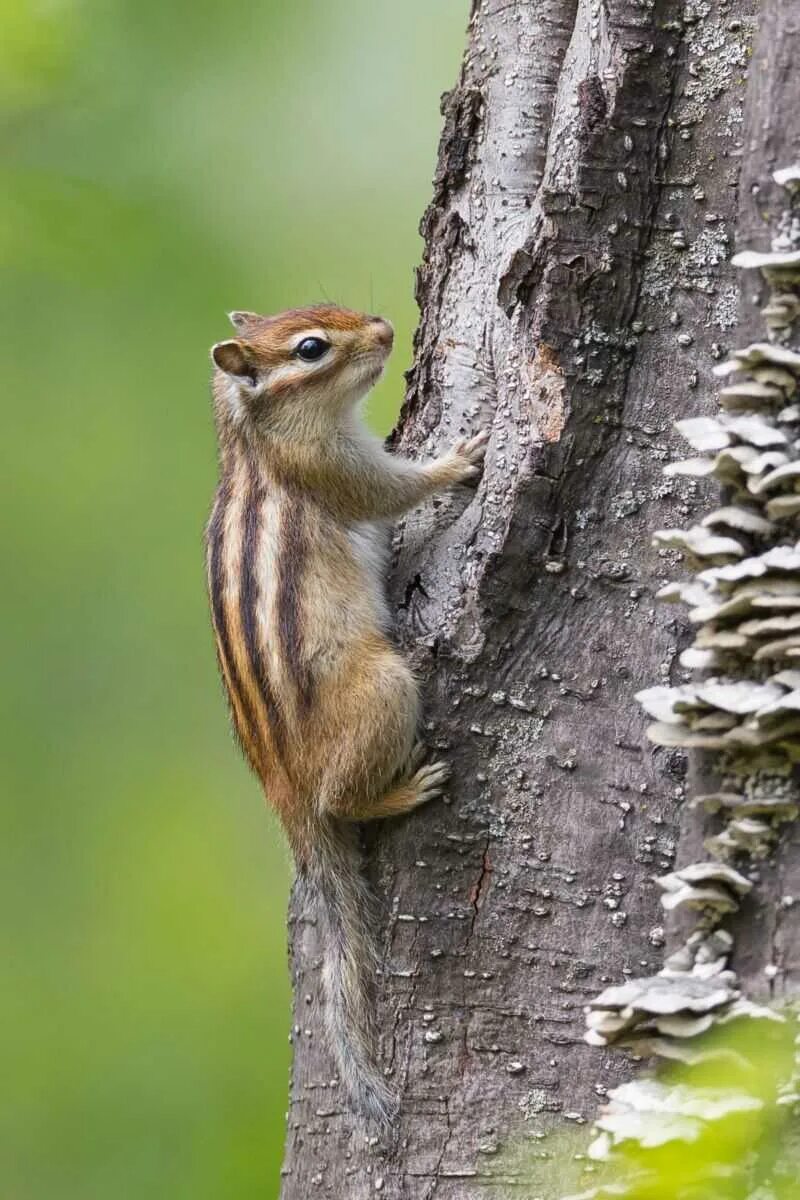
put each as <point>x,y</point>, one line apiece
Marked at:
<point>653,1113</point>
<point>743,598</point>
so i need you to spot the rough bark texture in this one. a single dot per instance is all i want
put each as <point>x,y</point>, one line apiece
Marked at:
<point>574,292</point>
<point>767,929</point>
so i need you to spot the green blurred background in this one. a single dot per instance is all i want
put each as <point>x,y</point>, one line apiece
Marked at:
<point>163,163</point>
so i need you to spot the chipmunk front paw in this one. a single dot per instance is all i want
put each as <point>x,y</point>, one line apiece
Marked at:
<point>470,453</point>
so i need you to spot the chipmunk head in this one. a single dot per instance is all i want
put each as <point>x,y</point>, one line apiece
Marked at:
<point>323,358</point>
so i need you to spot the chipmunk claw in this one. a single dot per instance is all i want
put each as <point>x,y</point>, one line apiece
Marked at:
<point>473,449</point>
<point>429,781</point>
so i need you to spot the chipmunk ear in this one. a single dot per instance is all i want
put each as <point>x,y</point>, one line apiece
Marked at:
<point>240,319</point>
<point>235,358</point>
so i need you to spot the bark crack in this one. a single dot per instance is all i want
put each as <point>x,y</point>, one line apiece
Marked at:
<point>481,887</point>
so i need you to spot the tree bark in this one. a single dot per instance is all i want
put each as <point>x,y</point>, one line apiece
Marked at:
<point>575,291</point>
<point>768,933</point>
<point>767,928</point>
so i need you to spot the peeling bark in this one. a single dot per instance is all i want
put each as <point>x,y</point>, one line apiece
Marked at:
<point>574,293</point>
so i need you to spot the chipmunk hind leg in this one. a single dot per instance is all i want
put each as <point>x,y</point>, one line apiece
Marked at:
<point>423,786</point>
<point>376,770</point>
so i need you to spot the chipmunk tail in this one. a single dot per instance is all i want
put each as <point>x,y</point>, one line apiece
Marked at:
<point>334,875</point>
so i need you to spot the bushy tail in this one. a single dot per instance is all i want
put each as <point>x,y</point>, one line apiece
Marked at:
<point>335,876</point>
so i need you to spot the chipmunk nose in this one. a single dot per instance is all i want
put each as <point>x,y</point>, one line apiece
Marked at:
<point>383,330</point>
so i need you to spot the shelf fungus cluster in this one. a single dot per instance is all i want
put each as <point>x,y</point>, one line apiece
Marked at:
<point>664,1014</point>
<point>742,706</point>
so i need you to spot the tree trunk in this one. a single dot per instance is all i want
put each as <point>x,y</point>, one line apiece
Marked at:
<point>574,294</point>
<point>767,929</point>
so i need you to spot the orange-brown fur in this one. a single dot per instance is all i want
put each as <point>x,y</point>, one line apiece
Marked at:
<point>325,708</point>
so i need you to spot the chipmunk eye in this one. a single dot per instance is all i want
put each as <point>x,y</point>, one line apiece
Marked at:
<point>310,349</point>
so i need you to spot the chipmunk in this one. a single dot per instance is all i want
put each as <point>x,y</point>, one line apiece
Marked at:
<point>325,708</point>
